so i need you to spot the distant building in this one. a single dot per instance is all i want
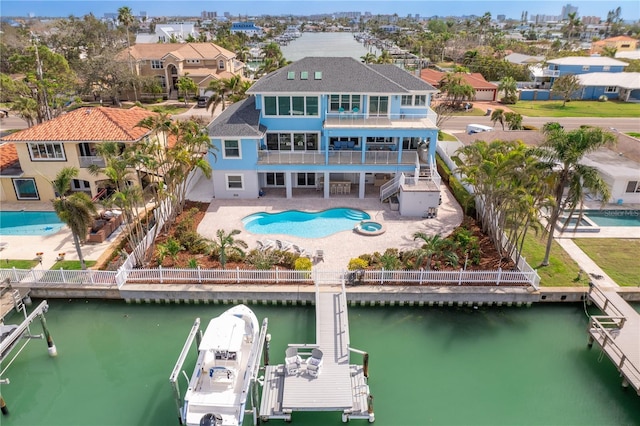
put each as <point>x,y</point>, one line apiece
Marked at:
<point>169,33</point>
<point>620,43</point>
<point>209,15</point>
<point>566,10</point>
<point>248,28</point>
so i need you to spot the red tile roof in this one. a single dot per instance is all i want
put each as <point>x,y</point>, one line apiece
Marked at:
<point>8,155</point>
<point>89,124</point>
<point>476,80</point>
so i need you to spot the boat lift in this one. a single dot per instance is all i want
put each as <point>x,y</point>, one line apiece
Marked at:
<point>196,333</point>
<point>13,334</point>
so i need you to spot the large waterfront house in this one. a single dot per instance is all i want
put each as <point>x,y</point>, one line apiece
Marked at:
<point>32,158</point>
<point>202,62</point>
<point>598,75</point>
<point>331,126</point>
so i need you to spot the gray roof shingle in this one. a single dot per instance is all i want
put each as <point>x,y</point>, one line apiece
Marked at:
<point>339,75</point>
<point>240,119</point>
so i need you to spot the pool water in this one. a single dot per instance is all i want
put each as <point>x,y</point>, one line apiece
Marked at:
<point>614,217</point>
<point>29,223</point>
<point>305,224</point>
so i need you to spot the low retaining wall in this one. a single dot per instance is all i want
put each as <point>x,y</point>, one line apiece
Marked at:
<point>305,294</point>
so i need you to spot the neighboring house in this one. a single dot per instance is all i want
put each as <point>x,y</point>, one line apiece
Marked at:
<point>623,86</point>
<point>330,126</point>
<point>521,59</point>
<point>619,43</point>
<point>619,164</point>
<point>31,158</point>
<point>202,62</point>
<point>248,28</point>
<point>175,32</point>
<point>485,91</point>
<point>581,66</point>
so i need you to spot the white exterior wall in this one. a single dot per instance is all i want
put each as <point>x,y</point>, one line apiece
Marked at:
<point>251,186</point>
<point>619,188</point>
<point>416,203</point>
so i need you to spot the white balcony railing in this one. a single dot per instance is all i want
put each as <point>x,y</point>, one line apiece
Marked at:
<point>550,73</point>
<point>349,119</point>
<point>337,157</point>
<point>87,161</point>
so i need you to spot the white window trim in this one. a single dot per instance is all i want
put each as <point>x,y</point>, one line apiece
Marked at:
<point>155,62</point>
<point>37,197</point>
<point>226,181</point>
<point>224,149</point>
<point>607,89</point>
<point>221,64</point>
<point>292,134</point>
<point>34,158</point>
<point>263,112</point>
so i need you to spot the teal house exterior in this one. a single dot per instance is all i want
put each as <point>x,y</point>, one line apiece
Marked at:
<point>332,125</point>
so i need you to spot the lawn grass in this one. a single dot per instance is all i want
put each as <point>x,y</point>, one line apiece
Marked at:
<point>576,109</point>
<point>562,270</point>
<point>72,265</point>
<point>473,112</point>
<point>617,257</point>
<point>634,134</point>
<point>18,263</point>
<point>168,108</point>
<point>446,137</point>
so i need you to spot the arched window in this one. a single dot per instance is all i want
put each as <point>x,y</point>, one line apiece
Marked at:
<point>221,64</point>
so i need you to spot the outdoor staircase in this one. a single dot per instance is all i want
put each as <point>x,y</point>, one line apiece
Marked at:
<point>392,187</point>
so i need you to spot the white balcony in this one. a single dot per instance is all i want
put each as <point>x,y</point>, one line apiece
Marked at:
<point>400,121</point>
<point>550,73</point>
<point>337,157</point>
<point>88,161</point>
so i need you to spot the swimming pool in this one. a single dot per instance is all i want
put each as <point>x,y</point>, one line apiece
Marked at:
<point>614,217</point>
<point>304,224</point>
<point>29,223</point>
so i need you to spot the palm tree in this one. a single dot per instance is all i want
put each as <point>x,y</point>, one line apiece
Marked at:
<point>75,209</point>
<point>509,87</point>
<point>563,152</point>
<point>125,17</point>
<point>226,244</point>
<point>432,244</point>
<point>498,116</point>
<point>369,58</point>
<point>385,58</point>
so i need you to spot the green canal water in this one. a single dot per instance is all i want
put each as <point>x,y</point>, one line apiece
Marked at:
<point>428,366</point>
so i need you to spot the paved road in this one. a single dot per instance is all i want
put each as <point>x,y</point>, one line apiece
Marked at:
<point>621,124</point>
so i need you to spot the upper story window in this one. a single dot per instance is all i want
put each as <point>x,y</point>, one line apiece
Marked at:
<point>46,151</point>
<point>611,89</point>
<point>414,100</point>
<point>290,105</point>
<point>292,141</point>
<point>220,64</point>
<point>157,65</point>
<point>341,103</point>
<point>585,68</point>
<point>231,149</point>
<point>193,61</point>
<point>606,68</point>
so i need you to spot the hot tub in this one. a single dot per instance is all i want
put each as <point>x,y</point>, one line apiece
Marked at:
<point>368,227</point>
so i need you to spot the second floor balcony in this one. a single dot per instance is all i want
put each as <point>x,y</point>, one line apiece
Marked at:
<point>338,157</point>
<point>550,73</point>
<point>88,161</point>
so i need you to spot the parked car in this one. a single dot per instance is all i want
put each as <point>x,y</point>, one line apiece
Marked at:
<point>477,128</point>
<point>202,101</point>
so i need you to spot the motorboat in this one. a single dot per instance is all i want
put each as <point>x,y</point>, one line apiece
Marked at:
<point>228,354</point>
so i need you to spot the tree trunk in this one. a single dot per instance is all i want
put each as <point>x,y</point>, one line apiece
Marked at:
<point>76,242</point>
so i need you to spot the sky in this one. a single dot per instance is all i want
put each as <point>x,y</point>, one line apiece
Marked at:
<point>510,8</point>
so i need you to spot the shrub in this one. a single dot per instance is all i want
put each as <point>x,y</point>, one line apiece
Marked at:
<point>193,263</point>
<point>287,259</point>
<point>194,242</point>
<point>262,259</point>
<point>603,98</point>
<point>303,264</point>
<point>357,263</point>
<point>459,192</point>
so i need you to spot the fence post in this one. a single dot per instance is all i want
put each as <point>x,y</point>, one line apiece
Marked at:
<point>199,275</point>
<point>382,277</point>
<point>460,277</point>
<point>15,274</point>
<point>33,273</point>
<point>277,276</point>
<point>237,275</point>
<point>91,277</point>
<point>499,274</point>
<point>421,275</point>
<point>160,270</point>
<point>62,274</point>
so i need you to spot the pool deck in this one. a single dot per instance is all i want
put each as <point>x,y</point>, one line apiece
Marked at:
<point>340,247</point>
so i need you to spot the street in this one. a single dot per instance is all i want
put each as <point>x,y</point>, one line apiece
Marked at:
<point>628,124</point>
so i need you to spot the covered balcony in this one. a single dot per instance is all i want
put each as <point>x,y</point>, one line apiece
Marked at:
<point>335,157</point>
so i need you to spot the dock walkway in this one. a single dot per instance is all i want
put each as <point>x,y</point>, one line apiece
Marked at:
<point>340,386</point>
<point>617,333</point>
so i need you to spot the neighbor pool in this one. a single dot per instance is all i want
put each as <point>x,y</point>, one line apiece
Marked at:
<point>305,224</point>
<point>29,223</point>
<point>614,217</point>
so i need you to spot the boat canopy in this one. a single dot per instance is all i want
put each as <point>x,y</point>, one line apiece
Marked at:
<point>224,333</point>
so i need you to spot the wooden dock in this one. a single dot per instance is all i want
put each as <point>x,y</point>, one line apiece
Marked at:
<point>340,385</point>
<point>617,332</point>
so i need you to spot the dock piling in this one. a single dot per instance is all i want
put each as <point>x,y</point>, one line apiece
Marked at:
<point>3,407</point>
<point>365,362</point>
<point>51,347</point>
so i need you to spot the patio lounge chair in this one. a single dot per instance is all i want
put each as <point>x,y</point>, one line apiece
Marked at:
<point>265,245</point>
<point>314,362</point>
<point>300,251</point>
<point>283,245</point>
<point>292,361</point>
